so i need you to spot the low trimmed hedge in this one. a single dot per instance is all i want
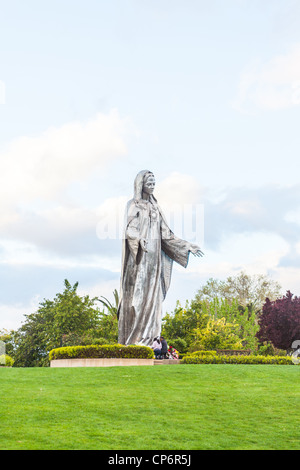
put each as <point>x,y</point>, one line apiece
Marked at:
<point>107,351</point>
<point>249,359</point>
<point>202,353</point>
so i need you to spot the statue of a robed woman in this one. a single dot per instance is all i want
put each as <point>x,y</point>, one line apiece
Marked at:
<point>149,249</point>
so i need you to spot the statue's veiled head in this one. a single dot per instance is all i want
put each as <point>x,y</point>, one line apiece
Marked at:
<point>144,182</point>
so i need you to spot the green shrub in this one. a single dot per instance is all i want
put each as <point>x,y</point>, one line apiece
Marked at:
<point>6,361</point>
<point>267,349</point>
<point>102,351</point>
<point>196,346</point>
<point>179,344</point>
<point>218,334</point>
<point>251,359</point>
<point>101,342</point>
<point>87,339</point>
<point>203,353</point>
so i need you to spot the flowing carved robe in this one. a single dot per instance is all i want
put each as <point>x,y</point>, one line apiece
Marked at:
<point>146,276</point>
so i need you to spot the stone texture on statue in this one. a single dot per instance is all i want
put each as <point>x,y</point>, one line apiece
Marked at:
<point>149,249</point>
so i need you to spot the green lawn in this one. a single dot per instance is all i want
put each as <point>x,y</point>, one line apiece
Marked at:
<point>164,407</point>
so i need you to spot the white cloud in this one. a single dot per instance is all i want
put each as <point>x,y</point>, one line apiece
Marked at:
<point>12,315</point>
<point>40,168</point>
<point>270,85</point>
<point>178,188</point>
<point>288,278</point>
<point>38,221</point>
<point>293,216</point>
<point>66,236</point>
<point>101,289</point>
<point>246,208</point>
<point>110,218</point>
<point>254,252</point>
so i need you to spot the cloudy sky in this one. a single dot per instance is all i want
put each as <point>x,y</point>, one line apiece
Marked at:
<point>205,93</point>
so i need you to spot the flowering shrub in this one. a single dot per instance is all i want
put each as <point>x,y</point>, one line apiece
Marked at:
<point>173,353</point>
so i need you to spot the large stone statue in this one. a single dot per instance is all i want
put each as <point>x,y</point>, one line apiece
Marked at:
<point>149,249</point>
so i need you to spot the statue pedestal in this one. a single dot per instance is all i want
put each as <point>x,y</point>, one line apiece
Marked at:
<point>100,362</point>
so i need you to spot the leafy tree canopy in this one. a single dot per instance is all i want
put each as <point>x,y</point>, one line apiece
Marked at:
<point>43,330</point>
<point>249,290</point>
<point>200,319</point>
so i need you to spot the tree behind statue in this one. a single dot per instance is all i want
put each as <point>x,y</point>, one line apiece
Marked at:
<point>280,322</point>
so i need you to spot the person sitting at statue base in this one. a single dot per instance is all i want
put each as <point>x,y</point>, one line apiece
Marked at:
<point>164,348</point>
<point>156,346</point>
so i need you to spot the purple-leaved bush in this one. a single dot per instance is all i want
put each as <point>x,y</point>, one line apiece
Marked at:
<point>280,321</point>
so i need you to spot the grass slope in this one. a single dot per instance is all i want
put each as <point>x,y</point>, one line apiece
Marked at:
<point>181,407</point>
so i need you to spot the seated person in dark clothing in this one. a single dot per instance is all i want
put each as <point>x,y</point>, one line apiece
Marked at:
<point>164,348</point>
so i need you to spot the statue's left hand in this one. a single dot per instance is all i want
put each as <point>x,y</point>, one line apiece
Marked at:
<point>195,249</point>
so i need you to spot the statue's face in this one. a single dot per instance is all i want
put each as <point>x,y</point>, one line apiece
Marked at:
<point>149,185</point>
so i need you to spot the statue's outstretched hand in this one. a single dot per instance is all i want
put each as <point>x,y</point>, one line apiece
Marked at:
<point>195,249</point>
